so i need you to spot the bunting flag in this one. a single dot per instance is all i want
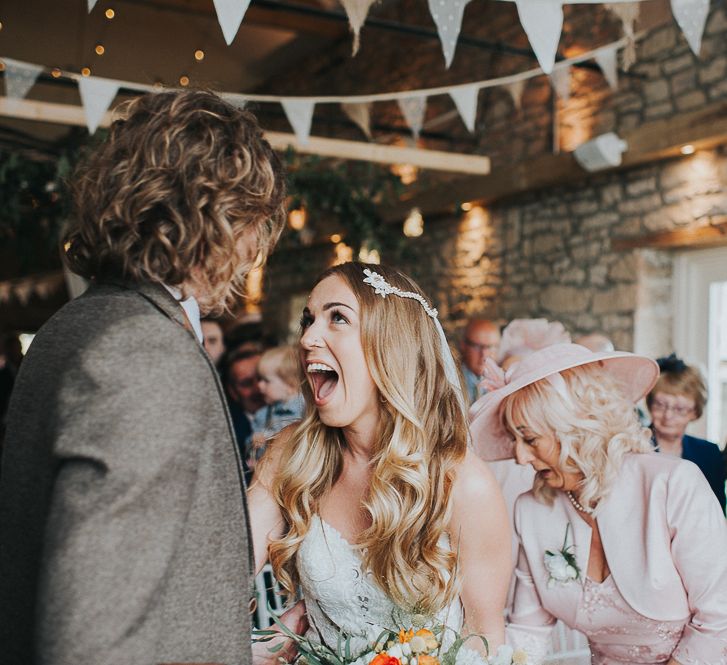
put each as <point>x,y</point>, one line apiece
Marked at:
<point>465,99</point>
<point>229,15</point>
<point>516,90</point>
<point>447,15</point>
<point>542,21</point>
<point>606,60</point>
<point>628,13</point>
<point>360,114</point>
<point>300,116</point>
<point>19,77</point>
<point>91,5</point>
<point>560,79</point>
<point>357,11</point>
<point>413,109</point>
<point>96,97</point>
<point>691,16</point>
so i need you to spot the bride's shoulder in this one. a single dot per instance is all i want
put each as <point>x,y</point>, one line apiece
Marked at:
<point>268,467</point>
<point>474,481</point>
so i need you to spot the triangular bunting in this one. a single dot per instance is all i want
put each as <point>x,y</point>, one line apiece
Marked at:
<point>19,77</point>
<point>91,5</point>
<point>229,15</point>
<point>447,15</point>
<point>300,116</point>
<point>628,13</point>
<point>542,21</point>
<point>606,59</point>
<point>516,90</point>
<point>357,11</point>
<point>413,108</point>
<point>560,78</point>
<point>465,99</point>
<point>691,16</point>
<point>96,97</point>
<point>361,115</point>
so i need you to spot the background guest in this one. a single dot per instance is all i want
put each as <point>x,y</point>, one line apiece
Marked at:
<point>214,340</point>
<point>278,372</point>
<point>480,341</point>
<point>678,398</point>
<point>599,491</point>
<point>239,376</point>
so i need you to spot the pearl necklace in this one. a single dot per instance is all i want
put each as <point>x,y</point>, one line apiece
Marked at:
<point>577,504</point>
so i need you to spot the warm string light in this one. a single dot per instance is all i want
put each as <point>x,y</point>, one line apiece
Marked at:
<point>344,253</point>
<point>86,71</point>
<point>109,13</point>
<point>184,80</point>
<point>55,73</point>
<point>297,219</point>
<point>687,149</point>
<point>199,55</point>
<point>414,224</point>
<point>99,49</point>
<point>336,238</point>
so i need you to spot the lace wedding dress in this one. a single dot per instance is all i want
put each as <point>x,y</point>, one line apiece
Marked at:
<point>340,597</point>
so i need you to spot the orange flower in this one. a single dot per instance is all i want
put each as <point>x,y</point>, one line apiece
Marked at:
<point>429,638</point>
<point>384,658</point>
<point>405,635</point>
<point>427,660</point>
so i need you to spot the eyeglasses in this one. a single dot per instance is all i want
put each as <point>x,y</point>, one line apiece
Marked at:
<point>480,348</point>
<point>663,407</point>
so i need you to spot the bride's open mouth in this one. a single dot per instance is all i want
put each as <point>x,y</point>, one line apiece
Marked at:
<point>324,380</point>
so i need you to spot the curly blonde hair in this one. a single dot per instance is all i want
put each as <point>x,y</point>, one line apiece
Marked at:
<point>421,438</point>
<point>596,427</point>
<point>185,191</point>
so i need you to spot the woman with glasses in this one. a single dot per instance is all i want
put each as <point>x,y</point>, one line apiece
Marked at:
<point>677,399</point>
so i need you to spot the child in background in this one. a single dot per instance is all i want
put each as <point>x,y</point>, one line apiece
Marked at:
<point>279,384</point>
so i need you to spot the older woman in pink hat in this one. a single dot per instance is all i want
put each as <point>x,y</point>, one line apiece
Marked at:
<point>624,545</point>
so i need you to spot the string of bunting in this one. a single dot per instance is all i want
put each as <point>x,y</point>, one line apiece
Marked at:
<point>542,21</point>
<point>22,290</point>
<point>97,93</point>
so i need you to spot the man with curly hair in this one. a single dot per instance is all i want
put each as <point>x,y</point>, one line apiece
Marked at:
<point>123,527</point>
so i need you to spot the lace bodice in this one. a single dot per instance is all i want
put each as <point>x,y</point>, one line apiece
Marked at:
<point>619,634</point>
<point>339,596</point>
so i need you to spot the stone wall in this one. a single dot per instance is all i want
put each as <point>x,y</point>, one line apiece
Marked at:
<point>549,253</point>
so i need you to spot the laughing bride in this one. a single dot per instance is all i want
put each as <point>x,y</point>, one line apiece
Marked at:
<point>373,505</point>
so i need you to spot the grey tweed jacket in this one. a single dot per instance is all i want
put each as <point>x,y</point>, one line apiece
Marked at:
<point>124,535</point>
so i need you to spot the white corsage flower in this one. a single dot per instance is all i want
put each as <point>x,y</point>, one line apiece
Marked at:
<point>503,656</point>
<point>561,565</point>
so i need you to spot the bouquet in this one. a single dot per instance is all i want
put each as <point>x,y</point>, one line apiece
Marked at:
<point>411,645</point>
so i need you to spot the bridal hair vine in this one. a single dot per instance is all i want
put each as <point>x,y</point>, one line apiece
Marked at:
<point>383,288</point>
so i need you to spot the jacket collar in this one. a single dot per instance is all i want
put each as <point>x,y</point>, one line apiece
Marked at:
<point>157,295</point>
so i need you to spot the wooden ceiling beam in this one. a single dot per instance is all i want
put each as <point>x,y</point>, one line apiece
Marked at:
<point>704,128</point>
<point>262,16</point>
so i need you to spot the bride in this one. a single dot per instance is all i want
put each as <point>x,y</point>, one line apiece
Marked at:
<point>373,505</point>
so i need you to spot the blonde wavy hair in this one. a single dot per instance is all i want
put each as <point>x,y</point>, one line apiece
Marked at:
<point>421,438</point>
<point>596,427</point>
<point>185,191</point>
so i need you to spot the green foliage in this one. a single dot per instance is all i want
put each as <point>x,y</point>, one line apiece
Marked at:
<point>345,197</point>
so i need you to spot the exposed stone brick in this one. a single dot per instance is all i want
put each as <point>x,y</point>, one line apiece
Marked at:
<point>691,100</point>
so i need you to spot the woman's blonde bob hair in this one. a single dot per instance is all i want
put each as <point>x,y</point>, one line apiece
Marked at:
<point>596,427</point>
<point>421,438</point>
<point>185,191</point>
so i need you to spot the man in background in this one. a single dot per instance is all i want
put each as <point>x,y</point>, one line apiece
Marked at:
<point>214,340</point>
<point>480,341</point>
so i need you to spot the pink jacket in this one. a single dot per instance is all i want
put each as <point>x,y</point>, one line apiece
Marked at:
<point>665,541</point>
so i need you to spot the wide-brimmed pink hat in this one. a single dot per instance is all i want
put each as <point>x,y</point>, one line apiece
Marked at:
<point>635,374</point>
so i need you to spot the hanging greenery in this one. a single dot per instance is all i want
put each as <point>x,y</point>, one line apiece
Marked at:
<point>345,198</point>
<point>338,197</point>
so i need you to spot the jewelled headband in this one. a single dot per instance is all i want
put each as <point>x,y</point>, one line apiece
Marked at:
<point>383,288</point>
